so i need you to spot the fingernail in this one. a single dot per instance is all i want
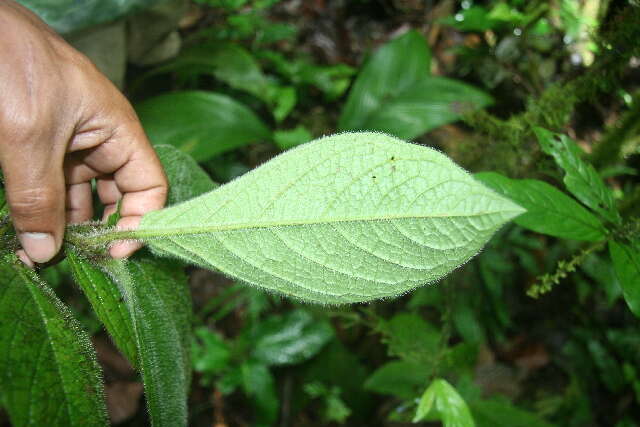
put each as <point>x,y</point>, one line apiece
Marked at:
<point>40,247</point>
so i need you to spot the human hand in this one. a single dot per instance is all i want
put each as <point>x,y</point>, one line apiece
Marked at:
<point>62,124</point>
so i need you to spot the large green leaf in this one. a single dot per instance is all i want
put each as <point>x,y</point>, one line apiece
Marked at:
<point>228,62</point>
<point>156,301</point>
<point>186,178</point>
<point>289,339</point>
<point>441,401</point>
<point>70,15</point>
<point>395,94</point>
<point>202,124</point>
<point>432,102</point>
<point>580,177</point>
<point>347,218</point>
<point>391,70</point>
<point>549,210</point>
<point>626,261</point>
<point>107,302</point>
<point>49,375</point>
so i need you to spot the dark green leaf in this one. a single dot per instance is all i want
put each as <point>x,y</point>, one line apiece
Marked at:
<point>156,298</point>
<point>49,375</point>
<point>259,384</point>
<point>410,337</point>
<point>549,211</point>
<point>107,301</point>
<point>186,178</point>
<point>626,261</point>
<point>70,15</point>
<point>399,378</point>
<point>391,70</point>
<point>427,104</point>
<point>581,179</point>
<point>202,124</point>
<point>286,139</point>
<point>227,62</point>
<point>289,339</point>
<point>441,401</point>
<point>502,413</point>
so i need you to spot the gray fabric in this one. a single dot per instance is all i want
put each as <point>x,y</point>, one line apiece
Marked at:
<point>66,16</point>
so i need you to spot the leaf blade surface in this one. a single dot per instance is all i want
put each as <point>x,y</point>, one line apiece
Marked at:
<point>347,218</point>
<point>48,369</point>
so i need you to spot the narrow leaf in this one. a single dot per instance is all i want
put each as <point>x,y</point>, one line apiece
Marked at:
<point>441,401</point>
<point>626,261</point>
<point>549,211</point>
<point>186,178</point>
<point>49,375</point>
<point>391,70</point>
<point>107,302</point>
<point>163,348</point>
<point>347,218</point>
<point>581,179</point>
<point>202,124</point>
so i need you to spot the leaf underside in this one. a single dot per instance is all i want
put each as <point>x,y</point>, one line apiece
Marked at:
<point>347,218</point>
<point>49,375</point>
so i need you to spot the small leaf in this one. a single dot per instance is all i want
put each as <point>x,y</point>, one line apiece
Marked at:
<point>441,401</point>
<point>399,378</point>
<point>162,328</point>
<point>626,261</point>
<point>500,412</point>
<point>283,100</point>
<point>107,302</point>
<point>410,337</point>
<point>186,178</point>
<point>286,139</point>
<point>258,383</point>
<point>347,218</point>
<point>581,179</point>
<point>49,375</point>
<point>289,339</point>
<point>549,211</point>
<point>211,354</point>
<point>202,124</point>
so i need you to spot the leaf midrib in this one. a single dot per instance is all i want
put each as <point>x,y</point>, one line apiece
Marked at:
<point>163,232</point>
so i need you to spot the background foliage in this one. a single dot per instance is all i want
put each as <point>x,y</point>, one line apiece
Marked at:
<point>541,99</point>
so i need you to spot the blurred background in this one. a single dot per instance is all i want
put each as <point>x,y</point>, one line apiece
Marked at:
<point>232,83</point>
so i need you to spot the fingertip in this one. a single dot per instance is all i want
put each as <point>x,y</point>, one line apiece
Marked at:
<point>22,256</point>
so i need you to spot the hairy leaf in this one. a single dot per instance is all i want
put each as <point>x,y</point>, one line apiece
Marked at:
<point>160,313</point>
<point>549,210</point>
<point>347,218</point>
<point>107,302</point>
<point>442,402</point>
<point>626,261</point>
<point>49,375</point>
<point>580,177</point>
<point>202,124</point>
<point>395,94</point>
<point>186,178</point>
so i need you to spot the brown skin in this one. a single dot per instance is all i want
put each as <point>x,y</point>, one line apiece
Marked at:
<point>62,124</point>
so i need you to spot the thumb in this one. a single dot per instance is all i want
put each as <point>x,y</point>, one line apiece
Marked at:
<point>35,191</point>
